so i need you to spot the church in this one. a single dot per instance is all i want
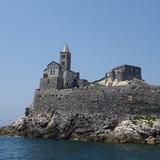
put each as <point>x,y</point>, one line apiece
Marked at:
<point>59,75</point>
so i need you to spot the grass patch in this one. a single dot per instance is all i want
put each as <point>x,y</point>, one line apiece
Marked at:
<point>148,119</point>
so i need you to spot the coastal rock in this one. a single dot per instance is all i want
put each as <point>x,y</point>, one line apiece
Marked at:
<point>150,140</point>
<point>83,127</point>
<point>126,132</point>
<point>156,127</point>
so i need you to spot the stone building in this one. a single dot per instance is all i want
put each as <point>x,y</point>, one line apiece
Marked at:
<point>60,75</point>
<point>120,75</point>
<point>124,72</point>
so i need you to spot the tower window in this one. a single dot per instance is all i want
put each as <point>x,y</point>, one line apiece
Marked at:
<point>48,80</point>
<point>63,56</point>
<point>51,72</point>
<point>63,63</point>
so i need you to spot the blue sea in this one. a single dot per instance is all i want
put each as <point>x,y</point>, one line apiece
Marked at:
<point>16,148</point>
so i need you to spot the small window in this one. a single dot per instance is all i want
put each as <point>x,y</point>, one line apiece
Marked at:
<point>51,72</point>
<point>48,80</point>
<point>63,56</point>
<point>45,75</point>
<point>63,63</point>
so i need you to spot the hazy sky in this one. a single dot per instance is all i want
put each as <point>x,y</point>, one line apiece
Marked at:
<point>101,34</point>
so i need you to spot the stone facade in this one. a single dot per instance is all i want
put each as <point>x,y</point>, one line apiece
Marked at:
<point>124,72</point>
<point>60,76</point>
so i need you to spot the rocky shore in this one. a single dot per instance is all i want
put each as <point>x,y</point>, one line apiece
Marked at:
<point>100,127</point>
<point>139,124</point>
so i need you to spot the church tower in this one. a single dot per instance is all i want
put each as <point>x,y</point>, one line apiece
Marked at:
<point>65,58</point>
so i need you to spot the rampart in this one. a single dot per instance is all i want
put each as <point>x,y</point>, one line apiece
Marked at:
<point>120,100</point>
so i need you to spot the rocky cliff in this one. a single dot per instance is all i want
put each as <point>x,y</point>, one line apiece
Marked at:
<point>127,113</point>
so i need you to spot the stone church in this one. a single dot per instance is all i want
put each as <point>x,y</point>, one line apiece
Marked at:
<point>59,75</point>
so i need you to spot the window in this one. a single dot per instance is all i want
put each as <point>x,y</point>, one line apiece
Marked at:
<point>45,75</point>
<point>63,56</point>
<point>48,80</point>
<point>53,72</point>
<point>63,63</point>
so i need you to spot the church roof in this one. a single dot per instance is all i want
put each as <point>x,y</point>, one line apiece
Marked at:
<point>53,62</point>
<point>65,49</point>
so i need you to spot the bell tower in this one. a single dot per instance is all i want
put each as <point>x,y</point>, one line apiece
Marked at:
<point>65,58</point>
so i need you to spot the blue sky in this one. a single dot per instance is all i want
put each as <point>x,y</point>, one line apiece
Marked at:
<point>101,34</point>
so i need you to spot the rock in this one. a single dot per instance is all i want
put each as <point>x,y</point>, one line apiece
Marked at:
<point>10,131</point>
<point>157,139</point>
<point>151,140</point>
<point>126,132</point>
<point>156,126</point>
<point>98,127</point>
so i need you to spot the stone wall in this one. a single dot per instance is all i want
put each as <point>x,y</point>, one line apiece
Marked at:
<point>69,79</point>
<point>51,82</point>
<point>122,100</point>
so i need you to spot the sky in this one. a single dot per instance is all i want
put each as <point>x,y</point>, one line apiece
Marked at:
<point>101,34</point>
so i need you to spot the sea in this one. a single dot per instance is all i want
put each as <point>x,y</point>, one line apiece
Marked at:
<point>18,148</point>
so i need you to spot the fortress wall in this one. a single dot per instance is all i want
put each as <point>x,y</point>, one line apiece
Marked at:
<point>107,100</point>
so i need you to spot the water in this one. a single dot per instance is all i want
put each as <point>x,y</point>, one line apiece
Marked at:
<point>14,148</point>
